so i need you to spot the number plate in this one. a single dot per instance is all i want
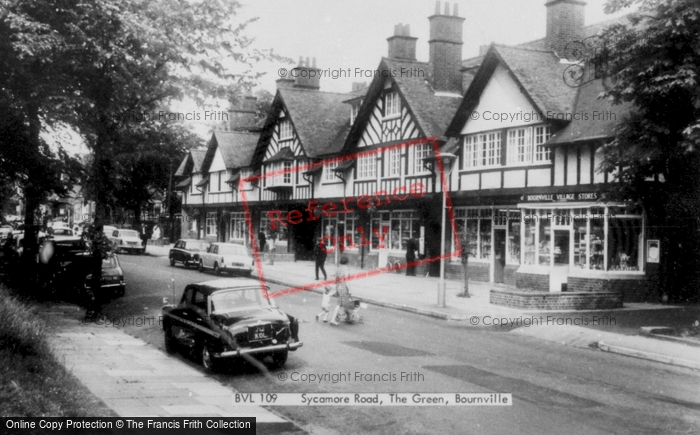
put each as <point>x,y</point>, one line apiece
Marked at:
<point>259,332</point>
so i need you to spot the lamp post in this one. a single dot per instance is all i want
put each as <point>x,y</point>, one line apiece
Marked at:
<point>447,160</point>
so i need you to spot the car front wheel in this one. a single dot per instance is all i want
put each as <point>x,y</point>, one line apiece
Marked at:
<point>208,360</point>
<point>201,266</point>
<point>172,262</point>
<point>217,270</point>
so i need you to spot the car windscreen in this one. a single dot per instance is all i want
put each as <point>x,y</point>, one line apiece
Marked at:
<point>129,233</point>
<point>238,299</point>
<point>196,246</point>
<point>233,250</point>
<point>109,263</point>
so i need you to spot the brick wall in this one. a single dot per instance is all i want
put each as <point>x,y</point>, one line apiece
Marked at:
<point>477,271</point>
<point>445,51</point>
<point>531,281</point>
<point>632,289</point>
<point>556,301</point>
<point>565,23</point>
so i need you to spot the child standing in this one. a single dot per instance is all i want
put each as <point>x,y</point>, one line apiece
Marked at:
<point>325,303</point>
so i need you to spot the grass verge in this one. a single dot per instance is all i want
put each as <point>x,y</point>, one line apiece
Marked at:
<point>32,382</point>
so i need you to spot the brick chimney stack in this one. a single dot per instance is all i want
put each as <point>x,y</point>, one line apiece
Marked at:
<point>565,22</point>
<point>402,45</point>
<point>306,75</point>
<point>446,49</point>
<point>242,113</point>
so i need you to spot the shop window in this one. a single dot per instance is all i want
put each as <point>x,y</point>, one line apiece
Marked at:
<point>404,225</point>
<point>239,227</point>
<point>211,224</point>
<point>529,233</point>
<point>514,237</point>
<point>545,241</point>
<point>624,240</point>
<point>485,234</point>
<point>597,239</point>
<point>580,241</point>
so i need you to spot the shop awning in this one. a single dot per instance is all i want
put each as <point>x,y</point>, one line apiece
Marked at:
<point>279,188</point>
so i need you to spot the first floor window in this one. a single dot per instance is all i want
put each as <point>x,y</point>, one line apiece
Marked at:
<point>329,171</point>
<point>482,150</point>
<point>520,145</point>
<point>367,166</point>
<point>394,162</point>
<point>542,135</point>
<point>421,152</point>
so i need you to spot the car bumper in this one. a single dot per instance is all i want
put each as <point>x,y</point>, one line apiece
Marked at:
<point>237,269</point>
<point>267,349</point>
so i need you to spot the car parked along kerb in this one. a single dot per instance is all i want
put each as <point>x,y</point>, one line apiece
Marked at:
<point>228,318</point>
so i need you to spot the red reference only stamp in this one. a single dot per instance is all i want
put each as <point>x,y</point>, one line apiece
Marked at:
<point>346,196</point>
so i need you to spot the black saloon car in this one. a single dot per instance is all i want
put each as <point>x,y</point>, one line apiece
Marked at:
<point>112,282</point>
<point>186,251</point>
<point>227,318</point>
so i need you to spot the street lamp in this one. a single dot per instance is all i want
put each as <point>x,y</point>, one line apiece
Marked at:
<point>447,164</point>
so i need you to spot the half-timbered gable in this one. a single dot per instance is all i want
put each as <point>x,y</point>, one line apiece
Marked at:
<point>190,174</point>
<point>302,126</point>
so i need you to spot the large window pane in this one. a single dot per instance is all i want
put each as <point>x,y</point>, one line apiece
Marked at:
<point>530,223</point>
<point>580,241</point>
<point>514,237</point>
<point>624,239</point>
<point>545,248</point>
<point>485,233</point>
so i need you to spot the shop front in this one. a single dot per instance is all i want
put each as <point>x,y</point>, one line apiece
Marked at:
<point>582,247</point>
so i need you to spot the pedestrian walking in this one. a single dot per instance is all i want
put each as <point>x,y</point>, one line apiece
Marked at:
<point>271,249</point>
<point>325,303</point>
<point>155,237</point>
<point>341,289</point>
<point>320,257</point>
<point>410,257</point>
<point>262,240</point>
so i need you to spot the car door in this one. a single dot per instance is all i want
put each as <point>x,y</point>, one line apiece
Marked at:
<point>177,253</point>
<point>211,254</point>
<point>181,316</point>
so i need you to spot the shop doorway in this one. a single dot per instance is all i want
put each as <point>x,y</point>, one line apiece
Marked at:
<point>560,271</point>
<point>303,235</point>
<point>499,254</point>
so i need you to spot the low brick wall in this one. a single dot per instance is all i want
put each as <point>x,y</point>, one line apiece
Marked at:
<point>556,301</point>
<point>527,281</point>
<point>370,261</point>
<point>633,289</point>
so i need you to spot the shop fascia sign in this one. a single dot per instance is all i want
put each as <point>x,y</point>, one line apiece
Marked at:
<point>563,197</point>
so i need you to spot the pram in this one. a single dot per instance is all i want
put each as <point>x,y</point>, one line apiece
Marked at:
<point>349,313</point>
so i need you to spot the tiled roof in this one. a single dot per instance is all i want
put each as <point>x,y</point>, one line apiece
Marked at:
<point>236,148</point>
<point>192,162</point>
<point>433,112</point>
<point>317,118</point>
<point>542,76</point>
<point>592,117</point>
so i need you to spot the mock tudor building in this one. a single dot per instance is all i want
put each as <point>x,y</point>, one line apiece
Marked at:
<point>525,188</point>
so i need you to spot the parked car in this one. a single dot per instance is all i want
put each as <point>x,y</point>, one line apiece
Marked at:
<point>60,262</point>
<point>228,318</point>
<point>62,233</point>
<point>186,251</point>
<point>226,257</point>
<point>126,240</point>
<point>112,281</point>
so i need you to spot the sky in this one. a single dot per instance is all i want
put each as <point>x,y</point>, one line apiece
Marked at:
<point>352,34</point>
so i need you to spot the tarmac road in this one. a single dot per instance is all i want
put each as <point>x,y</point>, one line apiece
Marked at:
<point>556,389</point>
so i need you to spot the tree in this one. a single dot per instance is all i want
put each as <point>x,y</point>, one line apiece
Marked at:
<point>31,91</point>
<point>653,64</point>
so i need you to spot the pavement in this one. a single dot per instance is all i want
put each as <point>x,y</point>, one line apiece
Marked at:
<point>615,331</point>
<point>138,380</point>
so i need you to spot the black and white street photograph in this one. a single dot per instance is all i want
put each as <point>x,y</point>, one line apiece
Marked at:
<point>363,217</point>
